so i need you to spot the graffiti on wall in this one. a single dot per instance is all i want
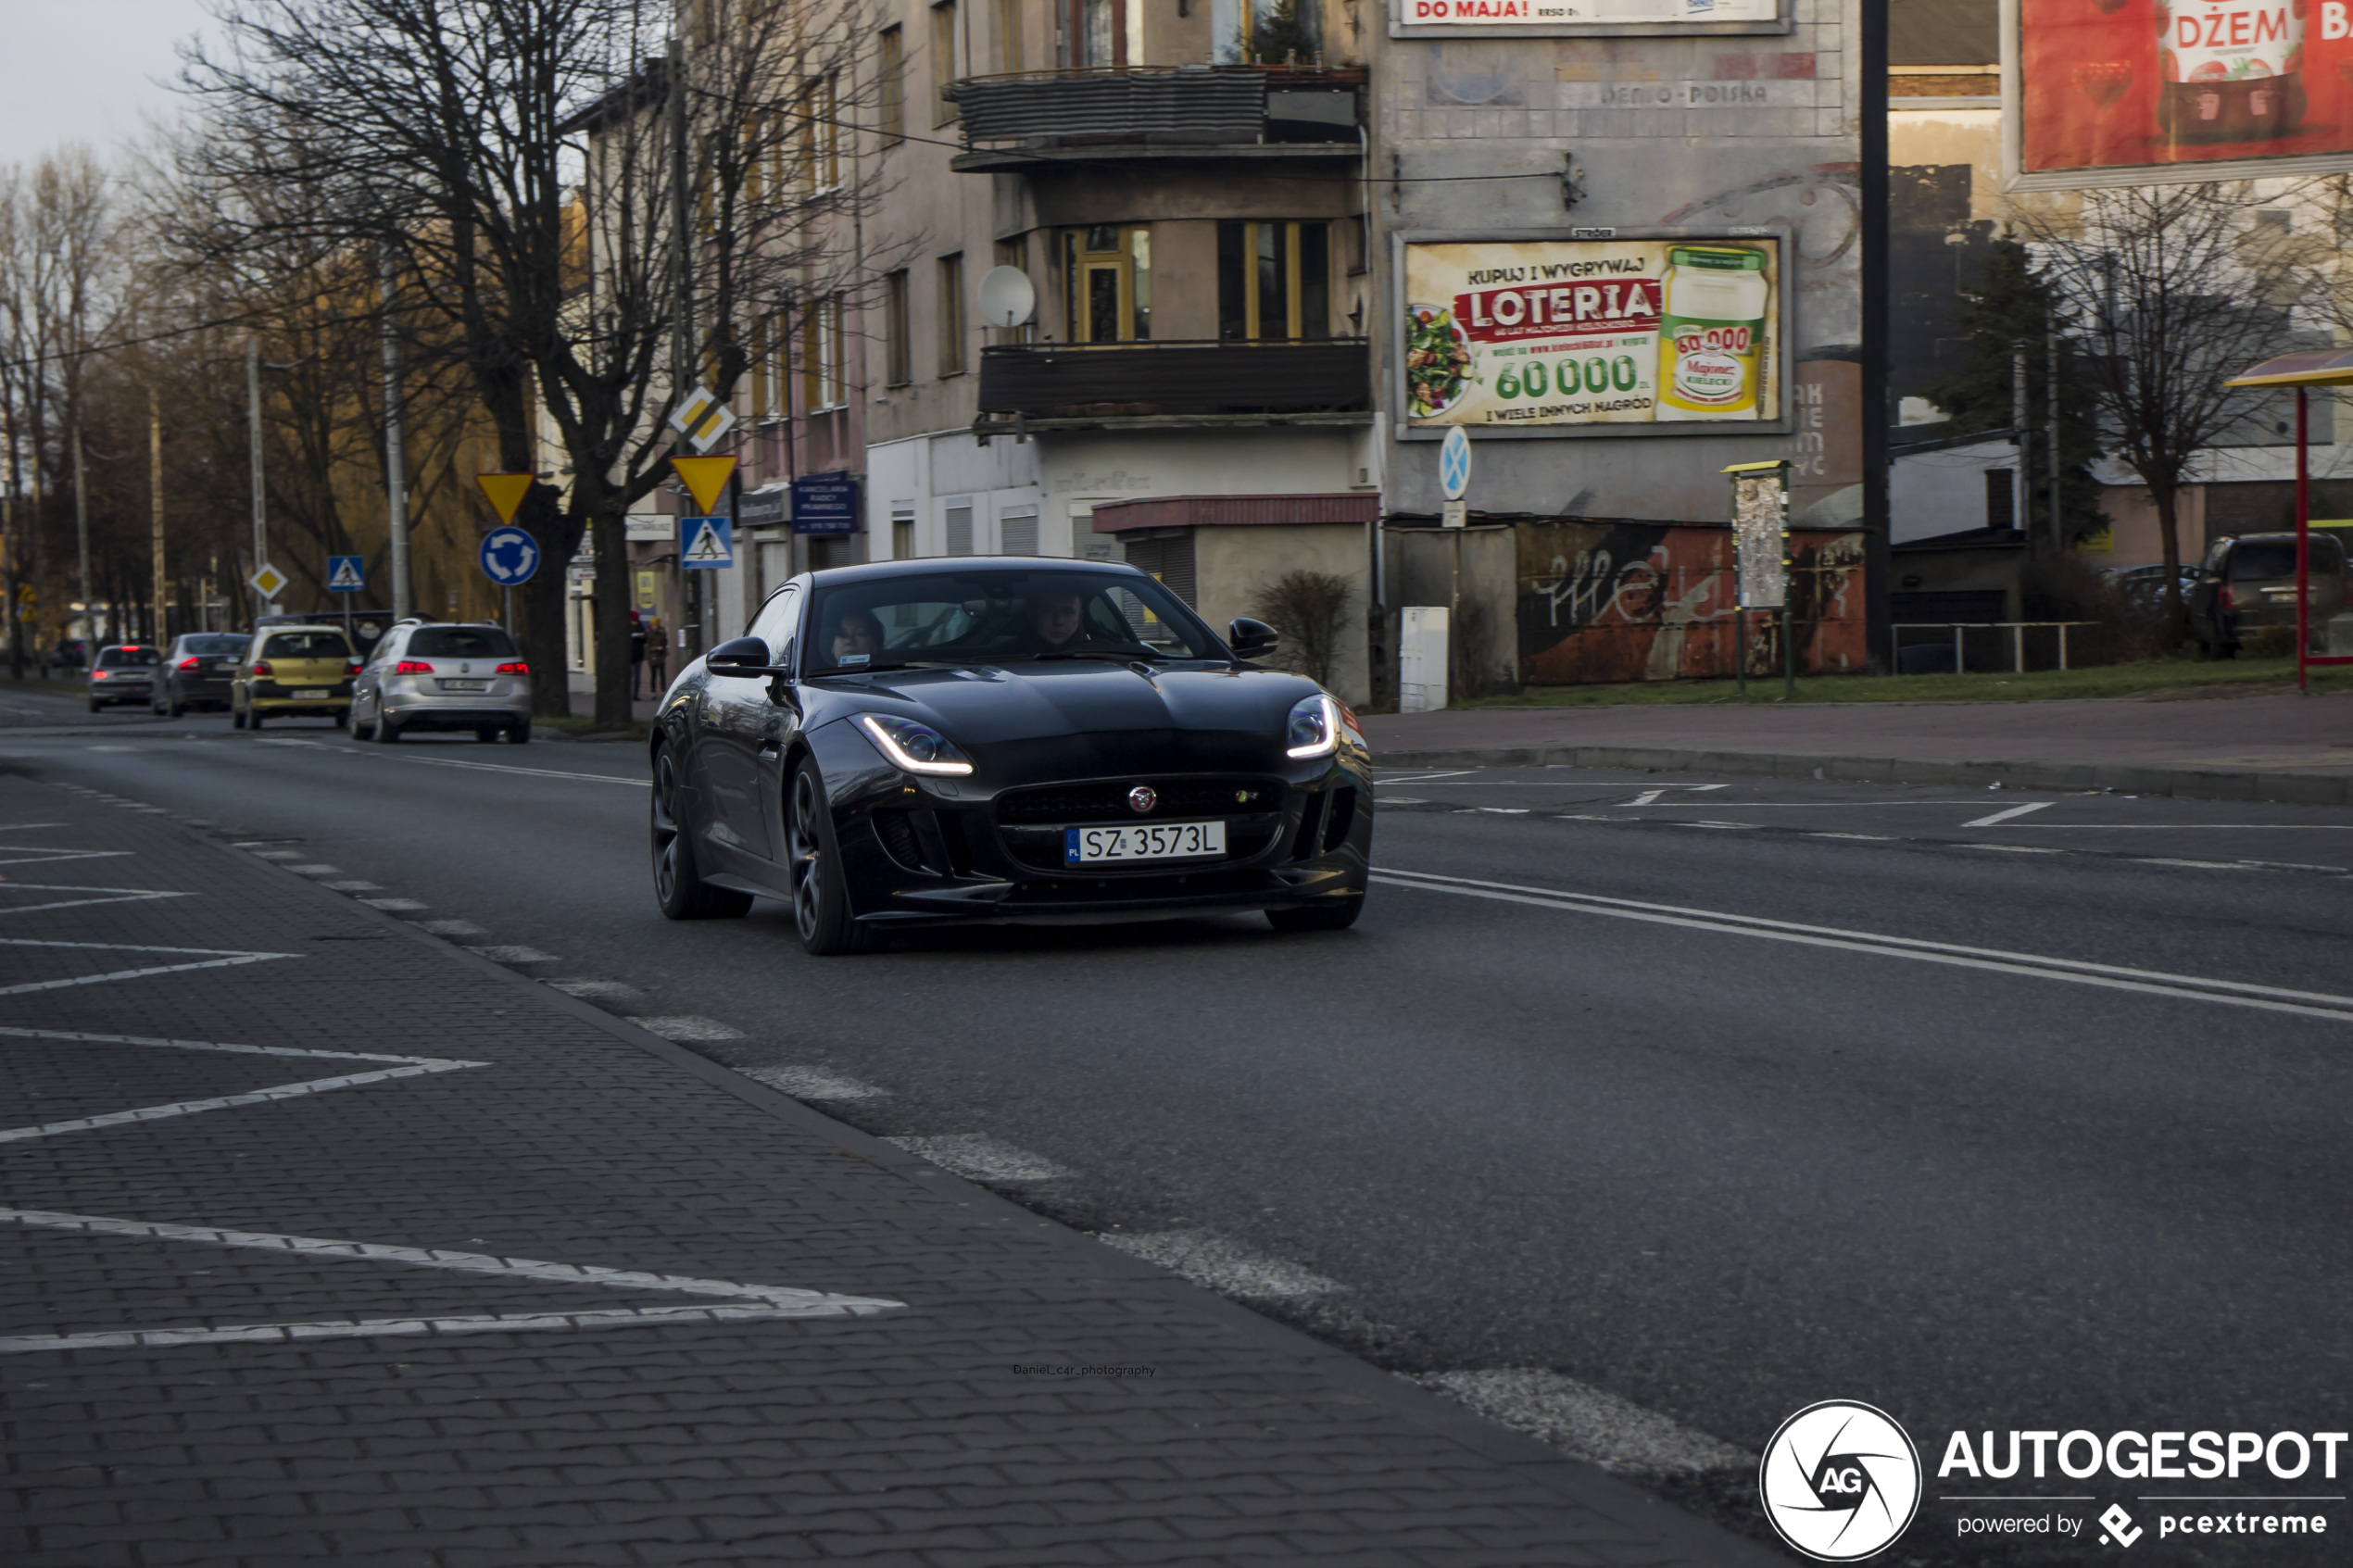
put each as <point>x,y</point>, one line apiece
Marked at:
<point>1601,601</point>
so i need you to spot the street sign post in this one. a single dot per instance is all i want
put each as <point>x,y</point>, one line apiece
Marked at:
<point>1760,547</point>
<point>706,543</point>
<point>506,492</point>
<point>346,575</point>
<point>1453,476</point>
<point>509,555</point>
<point>702,420</point>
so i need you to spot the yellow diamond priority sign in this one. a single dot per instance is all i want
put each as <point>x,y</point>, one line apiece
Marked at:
<point>269,582</point>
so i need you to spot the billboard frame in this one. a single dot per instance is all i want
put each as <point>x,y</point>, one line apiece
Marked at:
<point>2016,177</point>
<point>1784,24</point>
<point>1784,350</point>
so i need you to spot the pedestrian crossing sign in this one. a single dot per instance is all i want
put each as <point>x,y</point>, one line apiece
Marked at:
<point>706,543</point>
<point>346,574</point>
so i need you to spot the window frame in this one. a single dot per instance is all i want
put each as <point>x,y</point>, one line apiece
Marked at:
<point>897,330</point>
<point>890,77</point>
<point>954,351</point>
<point>947,50</point>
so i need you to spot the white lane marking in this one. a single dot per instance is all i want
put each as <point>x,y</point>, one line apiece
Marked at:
<point>448,927</point>
<point>1587,1422</point>
<point>2198,827</point>
<point>50,857</point>
<point>307,744</point>
<point>976,1157</point>
<point>2010,848</point>
<point>353,886</point>
<point>745,1300</point>
<point>2231,992</point>
<point>530,772</point>
<point>597,990</point>
<point>1872,837</point>
<point>119,895</point>
<point>278,854</point>
<point>1423,778</point>
<point>316,868</point>
<point>504,953</point>
<point>813,1083</point>
<point>1649,797</point>
<point>408,1067</point>
<point>28,827</point>
<point>1227,1267</point>
<point>2196,865</point>
<point>1493,810</point>
<point>395,906</point>
<point>1399,801</point>
<point>2014,812</point>
<point>689,1027</point>
<point>230,960</point>
<point>1738,826</point>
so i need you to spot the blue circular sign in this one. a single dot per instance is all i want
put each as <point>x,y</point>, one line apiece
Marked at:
<point>508,557</point>
<point>1455,463</point>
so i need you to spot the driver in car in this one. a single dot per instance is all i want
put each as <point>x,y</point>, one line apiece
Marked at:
<point>857,635</point>
<point>1056,617</point>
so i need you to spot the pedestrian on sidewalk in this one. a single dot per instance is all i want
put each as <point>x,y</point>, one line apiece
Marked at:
<point>636,653</point>
<point>658,654</point>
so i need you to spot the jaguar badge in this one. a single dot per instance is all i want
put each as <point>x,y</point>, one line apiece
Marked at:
<point>1142,798</point>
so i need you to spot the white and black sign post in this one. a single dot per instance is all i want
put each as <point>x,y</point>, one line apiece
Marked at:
<point>1760,546</point>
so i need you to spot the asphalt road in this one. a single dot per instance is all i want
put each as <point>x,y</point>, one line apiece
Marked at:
<point>1997,1110</point>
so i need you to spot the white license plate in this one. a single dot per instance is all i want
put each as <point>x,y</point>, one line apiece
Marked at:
<point>316,694</point>
<point>465,685</point>
<point>1163,841</point>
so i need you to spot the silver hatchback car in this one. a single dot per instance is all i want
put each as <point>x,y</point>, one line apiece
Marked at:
<point>425,676</point>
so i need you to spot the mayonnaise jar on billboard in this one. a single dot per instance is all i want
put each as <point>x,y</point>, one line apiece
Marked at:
<point>1549,336</point>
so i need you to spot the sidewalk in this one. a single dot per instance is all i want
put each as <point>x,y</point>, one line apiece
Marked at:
<point>332,1242</point>
<point>2289,748</point>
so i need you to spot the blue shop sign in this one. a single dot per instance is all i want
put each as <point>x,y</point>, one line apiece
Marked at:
<point>825,503</point>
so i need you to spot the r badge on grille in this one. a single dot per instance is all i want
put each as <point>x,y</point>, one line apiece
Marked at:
<point>1142,798</point>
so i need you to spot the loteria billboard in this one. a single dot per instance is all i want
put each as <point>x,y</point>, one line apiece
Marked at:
<point>2115,91</point>
<point>1616,336</point>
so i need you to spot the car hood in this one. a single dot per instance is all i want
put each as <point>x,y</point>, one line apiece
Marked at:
<point>985,704</point>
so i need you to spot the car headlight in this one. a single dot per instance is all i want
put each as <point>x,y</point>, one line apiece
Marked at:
<point>919,748</point>
<point>1314,730</point>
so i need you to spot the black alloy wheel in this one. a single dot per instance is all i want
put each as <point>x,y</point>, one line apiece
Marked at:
<point>678,886</point>
<point>812,863</point>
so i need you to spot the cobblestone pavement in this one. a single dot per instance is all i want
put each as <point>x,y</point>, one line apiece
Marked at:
<point>324,1241</point>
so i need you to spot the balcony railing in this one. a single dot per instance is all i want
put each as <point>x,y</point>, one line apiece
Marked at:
<point>1162,106</point>
<point>1067,381</point>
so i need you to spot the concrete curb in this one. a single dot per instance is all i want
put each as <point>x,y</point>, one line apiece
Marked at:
<point>2189,784</point>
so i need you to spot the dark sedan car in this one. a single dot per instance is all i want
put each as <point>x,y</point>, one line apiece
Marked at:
<point>198,670</point>
<point>123,674</point>
<point>918,743</point>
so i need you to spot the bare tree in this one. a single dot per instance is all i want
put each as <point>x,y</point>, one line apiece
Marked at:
<point>2176,289</point>
<point>452,130</point>
<point>1309,609</point>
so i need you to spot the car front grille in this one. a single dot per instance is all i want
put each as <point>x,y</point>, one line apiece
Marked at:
<point>1106,801</point>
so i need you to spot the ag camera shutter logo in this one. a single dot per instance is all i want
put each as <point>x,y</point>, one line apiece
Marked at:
<point>1840,1480</point>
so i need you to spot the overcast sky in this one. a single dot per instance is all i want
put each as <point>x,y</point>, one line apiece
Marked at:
<point>84,71</point>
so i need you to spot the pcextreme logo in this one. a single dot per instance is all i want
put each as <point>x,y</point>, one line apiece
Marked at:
<point>1840,1480</point>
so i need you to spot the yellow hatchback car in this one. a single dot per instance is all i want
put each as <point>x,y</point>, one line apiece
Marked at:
<point>292,669</point>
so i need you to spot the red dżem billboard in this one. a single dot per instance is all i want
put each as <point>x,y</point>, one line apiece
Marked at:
<point>2122,84</point>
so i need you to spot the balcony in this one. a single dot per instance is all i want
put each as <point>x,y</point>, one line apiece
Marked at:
<point>1147,113</point>
<point>1070,385</point>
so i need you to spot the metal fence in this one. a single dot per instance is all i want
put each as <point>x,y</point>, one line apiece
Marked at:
<point>1995,644</point>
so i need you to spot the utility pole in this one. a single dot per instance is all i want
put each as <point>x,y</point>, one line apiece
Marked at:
<point>682,354</point>
<point>260,505</point>
<point>1878,562</point>
<point>82,538</point>
<point>2051,436</point>
<point>396,482</point>
<point>2021,417</point>
<point>155,473</point>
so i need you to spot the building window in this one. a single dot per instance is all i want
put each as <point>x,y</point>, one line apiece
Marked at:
<point>1107,283</point>
<point>821,377</point>
<point>952,315</point>
<point>1274,281</point>
<point>769,340</point>
<point>902,531</point>
<point>821,134</point>
<point>1011,55</point>
<point>891,88</point>
<point>957,514</point>
<point>1104,32</point>
<point>944,57</point>
<point>895,330</point>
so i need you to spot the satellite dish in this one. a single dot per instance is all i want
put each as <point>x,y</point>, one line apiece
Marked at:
<point>1007,297</point>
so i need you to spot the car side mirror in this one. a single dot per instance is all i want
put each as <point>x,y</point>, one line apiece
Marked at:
<point>743,655</point>
<point>1250,638</point>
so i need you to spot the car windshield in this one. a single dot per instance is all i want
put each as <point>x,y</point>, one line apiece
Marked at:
<point>2253,559</point>
<point>126,658</point>
<point>999,617</point>
<point>306,644</point>
<point>212,644</point>
<point>460,642</point>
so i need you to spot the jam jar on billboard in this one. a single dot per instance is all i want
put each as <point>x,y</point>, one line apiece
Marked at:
<point>2232,70</point>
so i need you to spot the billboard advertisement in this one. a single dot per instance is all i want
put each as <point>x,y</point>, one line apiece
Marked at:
<point>2108,90</point>
<point>1601,336</point>
<point>1580,15</point>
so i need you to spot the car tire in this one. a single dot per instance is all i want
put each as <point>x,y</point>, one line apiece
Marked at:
<point>343,717</point>
<point>363,731</point>
<point>486,734</point>
<point>253,719</point>
<point>237,717</point>
<point>519,734</point>
<point>678,884</point>
<point>95,704</point>
<point>386,730</point>
<point>1338,915</point>
<point>812,864</point>
<point>173,709</point>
